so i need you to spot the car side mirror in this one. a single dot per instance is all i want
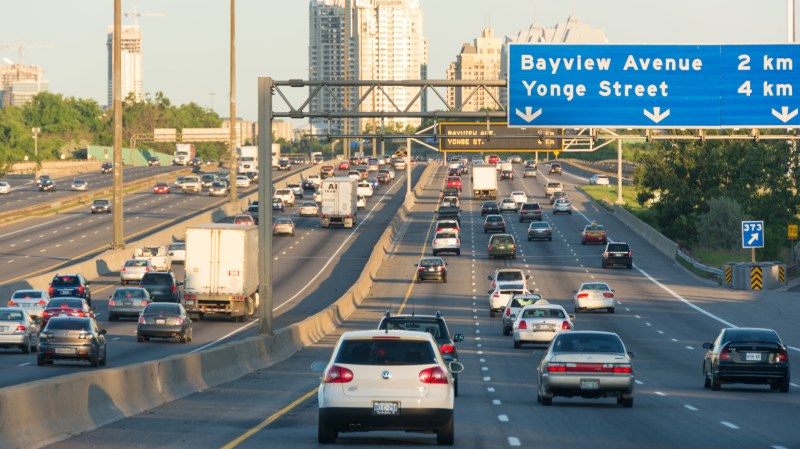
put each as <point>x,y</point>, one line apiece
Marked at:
<point>88,282</point>
<point>489,278</point>
<point>180,282</point>
<point>457,338</point>
<point>455,367</point>
<point>708,346</point>
<point>489,291</point>
<point>571,316</point>
<point>528,276</point>
<point>631,354</point>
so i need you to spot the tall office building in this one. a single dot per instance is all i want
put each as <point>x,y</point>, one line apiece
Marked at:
<point>368,40</point>
<point>131,59</point>
<point>20,83</point>
<point>477,61</point>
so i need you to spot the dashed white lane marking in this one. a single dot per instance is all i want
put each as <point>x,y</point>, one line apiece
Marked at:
<point>673,339</point>
<point>689,407</point>
<point>487,379</point>
<point>794,384</point>
<point>639,382</point>
<point>514,441</point>
<point>648,324</point>
<point>779,447</point>
<point>484,368</point>
<point>496,402</point>
<point>483,360</point>
<point>25,364</point>
<point>502,418</point>
<point>729,425</point>
<point>660,332</point>
<point>690,348</point>
<point>490,389</point>
<point>659,393</point>
<point>637,316</point>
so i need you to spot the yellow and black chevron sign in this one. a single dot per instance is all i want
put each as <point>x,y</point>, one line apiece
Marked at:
<point>728,275</point>
<point>782,273</point>
<point>756,278</point>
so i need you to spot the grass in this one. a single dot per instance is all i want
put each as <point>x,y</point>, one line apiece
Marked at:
<point>717,257</point>
<point>609,194</point>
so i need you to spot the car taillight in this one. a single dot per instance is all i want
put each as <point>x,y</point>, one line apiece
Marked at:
<point>605,254</point>
<point>124,269</point>
<point>81,313</point>
<point>144,302</point>
<point>496,295</point>
<point>508,312</point>
<point>51,291</point>
<point>630,253</point>
<point>11,303</point>
<point>622,368</point>
<point>111,303</point>
<point>447,348</point>
<point>338,375</point>
<point>457,242</point>
<point>41,302</point>
<point>565,326</point>
<point>725,354</point>
<point>434,241</point>
<point>275,225</point>
<point>179,321</point>
<point>421,269</point>
<point>146,268</point>
<point>782,356</point>
<point>608,295</point>
<point>45,313</point>
<point>556,368</point>
<point>583,295</point>
<point>21,328</point>
<point>494,284</point>
<point>80,290</point>
<point>514,247</point>
<point>440,268</point>
<point>523,324</point>
<point>433,375</point>
<point>174,288</point>
<point>141,319</point>
<point>490,247</point>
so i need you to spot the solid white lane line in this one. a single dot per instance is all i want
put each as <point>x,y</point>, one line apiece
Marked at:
<point>729,425</point>
<point>689,407</point>
<point>659,393</point>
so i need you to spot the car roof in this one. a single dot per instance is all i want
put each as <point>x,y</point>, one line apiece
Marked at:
<point>403,335</point>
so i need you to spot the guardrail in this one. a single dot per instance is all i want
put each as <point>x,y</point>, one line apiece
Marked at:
<point>714,272</point>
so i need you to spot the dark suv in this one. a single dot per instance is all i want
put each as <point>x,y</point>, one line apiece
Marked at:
<point>530,211</point>
<point>74,285</point>
<point>433,324</point>
<point>555,169</point>
<point>618,254</point>
<point>162,286</point>
<point>107,167</point>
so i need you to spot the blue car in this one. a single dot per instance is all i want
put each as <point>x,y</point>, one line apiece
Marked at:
<point>277,204</point>
<point>374,183</point>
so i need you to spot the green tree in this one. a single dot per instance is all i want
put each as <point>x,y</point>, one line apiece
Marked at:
<point>720,226</point>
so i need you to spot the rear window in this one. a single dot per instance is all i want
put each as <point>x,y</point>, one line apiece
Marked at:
<point>157,279</point>
<point>68,324</point>
<point>162,308</point>
<point>494,218</point>
<point>135,263</point>
<point>66,281</point>
<point>530,207</point>
<point>129,293</point>
<point>26,295</point>
<point>506,276</point>
<point>65,303</point>
<point>434,327</point>
<point>751,335</point>
<point>385,352</point>
<point>618,247</point>
<point>569,342</point>
<point>543,313</point>
<point>502,239</point>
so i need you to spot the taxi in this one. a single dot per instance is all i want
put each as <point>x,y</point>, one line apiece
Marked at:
<point>594,233</point>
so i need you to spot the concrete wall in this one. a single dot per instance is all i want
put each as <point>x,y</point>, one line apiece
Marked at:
<point>43,412</point>
<point>663,244</point>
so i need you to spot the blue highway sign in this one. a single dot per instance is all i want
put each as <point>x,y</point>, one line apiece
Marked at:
<point>752,234</point>
<point>653,86</point>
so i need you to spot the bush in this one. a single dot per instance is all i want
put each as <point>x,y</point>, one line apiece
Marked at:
<point>720,227</point>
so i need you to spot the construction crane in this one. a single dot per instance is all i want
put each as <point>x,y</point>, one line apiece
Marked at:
<point>136,14</point>
<point>19,48</point>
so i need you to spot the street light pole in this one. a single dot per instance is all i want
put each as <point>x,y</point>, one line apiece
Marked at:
<point>232,164</point>
<point>36,132</point>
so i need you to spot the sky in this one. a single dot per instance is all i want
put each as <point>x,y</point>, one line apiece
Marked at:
<point>186,42</point>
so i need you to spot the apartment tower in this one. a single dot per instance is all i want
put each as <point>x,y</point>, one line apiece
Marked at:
<point>131,59</point>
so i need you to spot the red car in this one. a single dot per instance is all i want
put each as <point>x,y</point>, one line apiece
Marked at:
<point>66,306</point>
<point>344,165</point>
<point>493,159</point>
<point>454,181</point>
<point>161,187</point>
<point>594,233</point>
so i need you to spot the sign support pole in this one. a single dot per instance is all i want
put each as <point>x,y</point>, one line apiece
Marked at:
<point>619,172</point>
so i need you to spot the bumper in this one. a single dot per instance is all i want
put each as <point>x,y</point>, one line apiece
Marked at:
<point>494,229</point>
<point>570,385</point>
<point>425,276</point>
<point>13,340</point>
<point>447,249</point>
<point>559,210</point>
<point>159,331</point>
<point>594,303</point>
<point>131,277</point>
<point>409,419</point>
<point>752,374</point>
<point>540,236</point>
<point>618,261</point>
<point>534,337</point>
<point>532,217</point>
<point>126,311</point>
<point>83,352</point>
<point>503,253</point>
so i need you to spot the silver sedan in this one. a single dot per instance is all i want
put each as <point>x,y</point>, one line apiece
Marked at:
<point>283,226</point>
<point>18,330</point>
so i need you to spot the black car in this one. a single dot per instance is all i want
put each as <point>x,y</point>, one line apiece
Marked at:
<point>448,213</point>
<point>72,338</point>
<point>507,174</point>
<point>431,269</point>
<point>154,161</point>
<point>383,178</point>
<point>555,169</point>
<point>106,167</point>
<point>47,186</point>
<point>308,184</point>
<point>197,161</point>
<point>490,207</point>
<point>163,320</point>
<point>284,164</point>
<point>451,191</point>
<point>162,286</point>
<point>530,211</point>
<point>74,285</point>
<point>618,254</point>
<point>434,325</point>
<point>99,206</point>
<point>746,356</point>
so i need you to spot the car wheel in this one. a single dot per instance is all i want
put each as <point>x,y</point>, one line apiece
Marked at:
<point>445,435</point>
<point>458,252</point>
<point>630,265</point>
<point>140,339</point>
<point>604,264</point>
<point>577,310</point>
<point>583,242</point>
<point>190,334</point>
<point>550,239</point>
<point>455,384</point>
<point>40,360</point>
<point>513,256</point>
<point>26,347</point>
<point>492,313</point>
<point>625,402</point>
<point>183,338</point>
<point>326,435</point>
<point>783,387</point>
<point>547,401</point>
<point>434,252</point>
<point>485,231</point>
<point>112,317</point>
<point>715,384</point>
<point>610,310</point>
<point>444,279</point>
<point>95,360</point>
<point>104,360</point>
<point>506,331</point>
<point>517,344</point>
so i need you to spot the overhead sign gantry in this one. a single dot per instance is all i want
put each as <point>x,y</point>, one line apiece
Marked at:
<point>654,86</point>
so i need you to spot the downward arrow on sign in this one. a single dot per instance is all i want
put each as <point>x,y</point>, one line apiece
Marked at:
<point>528,116</point>
<point>656,116</point>
<point>784,115</point>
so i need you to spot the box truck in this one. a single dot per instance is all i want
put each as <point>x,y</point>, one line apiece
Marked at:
<point>184,152</point>
<point>484,182</point>
<point>248,159</point>
<point>221,271</point>
<point>339,202</point>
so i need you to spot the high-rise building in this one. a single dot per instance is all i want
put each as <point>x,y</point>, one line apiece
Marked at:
<point>571,32</point>
<point>131,62</point>
<point>367,40</point>
<point>477,61</point>
<point>20,83</point>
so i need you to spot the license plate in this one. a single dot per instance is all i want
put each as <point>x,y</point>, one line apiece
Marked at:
<point>431,269</point>
<point>385,408</point>
<point>65,350</point>
<point>3,329</point>
<point>126,303</point>
<point>753,356</point>
<point>157,292</point>
<point>161,321</point>
<point>65,292</point>
<point>542,327</point>
<point>590,384</point>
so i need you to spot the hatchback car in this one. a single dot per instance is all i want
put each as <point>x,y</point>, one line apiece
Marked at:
<point>448,225</point>
<point>490,207</point>
<point>512,308</point>
<point>162,286</point>
<point>540,230</point>
<point>502,293</point>
<point>746,356</point>
<point>594,296</point>
<point>72,339</point>
<point>32,301</point>
<point>161,187</point>
<point>283,226</point>
<point>79,184</point>
<point>287,195</point>
<point>387,380</point>
<point>431,269</point>
<point>309,209</point>
<point>502,245</point>
<point>555,169</point>
<point>177,252</point>
<point>594,233</point>
<point>599,180</point>
<point>618,253</point>
<point>71,285</point>
<point>530,212</point>
<point>562,206</point>
<point>432,324</point>
<point>133,270</point>
<point>68,306</point>
<point>18,330</point>
<point>494,223</point>
<point>127,302</point>
<point>446,241</point>
<point>588,364</point>
<point>162,320</point>
<point>99,206</point>
<point>508,205</point>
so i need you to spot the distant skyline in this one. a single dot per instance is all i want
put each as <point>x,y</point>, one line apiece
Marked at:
<point>186,42</point>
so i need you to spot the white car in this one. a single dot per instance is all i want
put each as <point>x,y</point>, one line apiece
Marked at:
<point>309,209</point>
<point>296,188</point>
<point>133,270</point>
<point>508,204</point>
<point>317,197</point>
<point>177,252</point>
<point>365,188</point>
<point>286,195</point>
<point>515,304</point>
<point>242,181</point>
<point>502,293</point>
<point>519,197</point>
<point>33,301</point>
<point>79,185</point>
<point>599,180</point>
<point>5,187</point>
<point>315,179</point>
<point>387,380</point>
<point>361,203</point>
<point>595,296</point>
<point>446,241</point>
<point>507,275</point>
<point>539,322</point>
<point>354,174</point>
<point>562,205</point>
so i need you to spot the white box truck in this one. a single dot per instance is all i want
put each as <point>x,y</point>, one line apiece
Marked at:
<point>221,271</point>
<point>484,182</point>
<point>339,202</point>
<point>184,153</point>
<point>248,159</point>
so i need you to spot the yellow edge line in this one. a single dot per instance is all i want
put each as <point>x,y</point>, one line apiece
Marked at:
<point>303,398</point>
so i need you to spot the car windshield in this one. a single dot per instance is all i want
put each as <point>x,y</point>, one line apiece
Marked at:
<point>66,281</point>
<point>385,352</point>
<point>69,324</point>
<point>553,184</point>
<point>573,342</point>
